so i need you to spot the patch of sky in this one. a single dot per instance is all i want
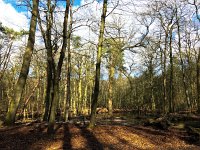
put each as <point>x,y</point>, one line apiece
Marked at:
<point>75,2</point>
<point>195,20</point>
<point>20,7</point>
<point>17,4</point>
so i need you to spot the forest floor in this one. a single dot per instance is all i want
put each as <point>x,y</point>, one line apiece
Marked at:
<point>33,136</point>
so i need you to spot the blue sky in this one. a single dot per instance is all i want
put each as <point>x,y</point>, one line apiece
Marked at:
<point>15,4</point>
<point>15,16</point>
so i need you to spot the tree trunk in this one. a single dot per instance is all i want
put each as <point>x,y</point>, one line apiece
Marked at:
<point>85,112</point>
<point>53,106</point>
<point>57,73</point>
<point>80,98</point>
<point>153,105</point>
<point>198,61</point>
<point>198,82</point>
<point>12,110</point>
<point>110,86</point>
<point>98,67</point>
<point>49,91</point>
<point>74,101</point>
<point>182,66</point>
<point>171,98</point>
<point>50,62</point>
<point>68,97</point>
<point>87,82</point>
<point>164,75</point>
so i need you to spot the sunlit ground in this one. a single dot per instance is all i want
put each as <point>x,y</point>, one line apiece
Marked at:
<point>69,136</point>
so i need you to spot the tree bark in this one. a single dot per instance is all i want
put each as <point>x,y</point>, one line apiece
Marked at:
<point>46,34</point>
<point>110,86</point>
<point>151,73</point>
<point>68,96</point>
<point>171,98</point>
<point>58,72</point>
<point>98,67</point>
<point>12,110</point>
<point>80,98</point>
<point>198,82</point>
<point>164,74</point>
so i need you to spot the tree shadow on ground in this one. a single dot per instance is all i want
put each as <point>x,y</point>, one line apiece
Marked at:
<point>27,137</point>
<point>151,130</point>
<point>122,140</point>
<point>92,141</point>
<point>20,140</point>
<point>67,138</point>
<point>70,136</point>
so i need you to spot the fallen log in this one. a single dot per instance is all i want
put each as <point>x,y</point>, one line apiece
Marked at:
<point>160,123</point>
<point>101,110</point>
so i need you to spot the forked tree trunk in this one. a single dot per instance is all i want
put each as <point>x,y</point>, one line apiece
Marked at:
<point>58,73</point>
<point>46,34</point>
<point>13,107</point>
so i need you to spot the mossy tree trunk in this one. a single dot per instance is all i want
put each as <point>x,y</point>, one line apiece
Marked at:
<point>68,92</point>
<point>98,66</point>
<point>80,97</point>
<point>13,107</point>
<point>110,84</point>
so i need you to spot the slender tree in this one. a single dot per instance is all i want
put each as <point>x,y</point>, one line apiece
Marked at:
<point>110,84</point>
<point>171,98</point>
<point>95,93</point>
<point>68,92</point>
